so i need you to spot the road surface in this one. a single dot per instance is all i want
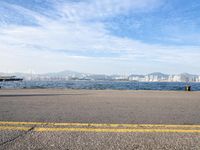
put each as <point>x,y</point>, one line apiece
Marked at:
<point>94,119</point>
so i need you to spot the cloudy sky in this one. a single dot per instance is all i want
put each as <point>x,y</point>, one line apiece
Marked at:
<point>100,36</point>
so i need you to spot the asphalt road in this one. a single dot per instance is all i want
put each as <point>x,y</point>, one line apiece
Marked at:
<point>99,107</point>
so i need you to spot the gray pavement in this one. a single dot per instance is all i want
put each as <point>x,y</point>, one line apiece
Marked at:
<point>108,141</point>
<point>85,106</point>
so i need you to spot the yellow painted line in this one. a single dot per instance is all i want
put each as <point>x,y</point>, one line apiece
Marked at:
<point>127,125</point>
<point>101,125</point>
<point>99,130</point>
<point>114,130</point>
<point>14,128</point>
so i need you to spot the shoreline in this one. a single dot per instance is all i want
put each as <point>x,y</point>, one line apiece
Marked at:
<point>93,90</point>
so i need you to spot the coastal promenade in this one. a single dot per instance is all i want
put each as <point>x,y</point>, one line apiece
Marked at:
<point>99,119</point>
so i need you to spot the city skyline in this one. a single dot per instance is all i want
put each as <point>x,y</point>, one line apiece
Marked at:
<point>72,75</point>
<point>111,37</point>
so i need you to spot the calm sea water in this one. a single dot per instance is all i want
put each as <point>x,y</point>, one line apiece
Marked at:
<point>99,85</point>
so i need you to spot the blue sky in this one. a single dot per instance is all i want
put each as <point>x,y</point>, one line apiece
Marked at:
<point>100,36</point>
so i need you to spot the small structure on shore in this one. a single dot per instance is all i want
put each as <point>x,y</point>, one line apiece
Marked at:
<point>187,88</point>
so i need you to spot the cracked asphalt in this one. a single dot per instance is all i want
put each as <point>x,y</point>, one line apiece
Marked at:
<point>99,107</point>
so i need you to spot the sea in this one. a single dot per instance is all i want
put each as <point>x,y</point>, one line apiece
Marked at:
<point>100,85</point>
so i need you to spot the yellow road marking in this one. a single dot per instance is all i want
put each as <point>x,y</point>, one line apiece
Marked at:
<point>101,125</point>
<point>113,130</point>
<point>127,125</point>
<point>40,129</point>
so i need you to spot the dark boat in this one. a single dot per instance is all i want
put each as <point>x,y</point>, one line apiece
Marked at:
<point>9,78</point>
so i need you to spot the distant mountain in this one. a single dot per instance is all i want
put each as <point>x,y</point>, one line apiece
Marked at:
<point>66,73</point>
<point>189,77</point>
<point>157,73</point>
<point>136,75</point>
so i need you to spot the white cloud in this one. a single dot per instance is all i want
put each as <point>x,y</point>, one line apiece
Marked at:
<point>46,47</point>
<point>104,8</point>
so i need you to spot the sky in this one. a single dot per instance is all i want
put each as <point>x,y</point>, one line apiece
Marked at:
<point>100,36</point>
